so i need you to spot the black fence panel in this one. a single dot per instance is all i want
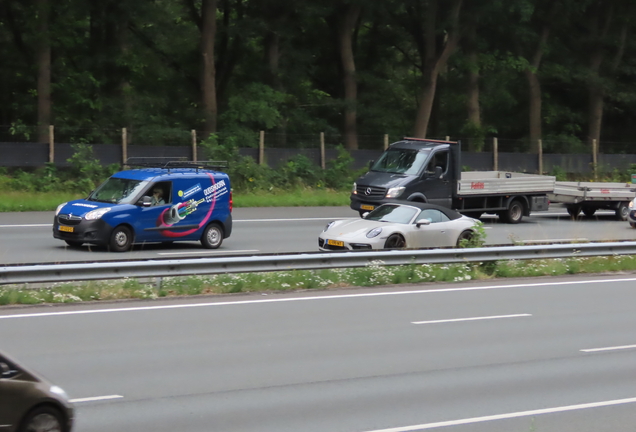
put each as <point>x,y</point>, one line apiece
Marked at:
<point>106,154</point>
<point>29,155</point>
<point>472,161</point>
<point>24,155</point>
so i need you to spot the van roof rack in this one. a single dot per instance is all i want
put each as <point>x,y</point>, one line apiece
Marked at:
<point>172,162</point>
<point>427,140</point>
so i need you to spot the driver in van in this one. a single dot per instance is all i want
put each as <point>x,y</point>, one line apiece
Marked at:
<point>157,196</point>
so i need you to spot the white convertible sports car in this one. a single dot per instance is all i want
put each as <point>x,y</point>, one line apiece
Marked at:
<point>399,225</point>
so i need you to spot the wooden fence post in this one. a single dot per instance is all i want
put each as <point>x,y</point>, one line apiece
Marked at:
<point>194,145</point>
<point>322,150</point>
<point>124,146</point>
<point>595,159</point>
<point>261,149</point>
<point>51,144</point>
<point>386,141</point>
<point>540,157</point>
<point>495,154</point>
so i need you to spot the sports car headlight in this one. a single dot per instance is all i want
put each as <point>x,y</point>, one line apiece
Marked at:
<point>329,225</point>
<point>374,232</point>
<point>57,211</point>
<point>96,214</point>
<point>394,192</point>
<point>355,188</point>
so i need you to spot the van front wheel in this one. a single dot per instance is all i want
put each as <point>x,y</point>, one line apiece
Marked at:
<point>212,236</point>
<point>121,239</point>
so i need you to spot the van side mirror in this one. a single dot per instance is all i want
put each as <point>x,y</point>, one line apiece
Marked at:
<point>145,201</point>
<point>438,172</point>
<point>371,162</point>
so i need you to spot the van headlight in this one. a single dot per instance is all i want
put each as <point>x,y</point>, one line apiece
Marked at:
<point>631,204</point>
<point>57,211</point>
<point>96,214</point>
<point>394,192</point>
<point>355,188</point>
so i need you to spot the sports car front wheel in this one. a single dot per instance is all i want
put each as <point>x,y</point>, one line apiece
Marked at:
<point>395,241</point>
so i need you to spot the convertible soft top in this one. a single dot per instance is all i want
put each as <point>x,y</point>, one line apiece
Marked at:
<point>451,214</point>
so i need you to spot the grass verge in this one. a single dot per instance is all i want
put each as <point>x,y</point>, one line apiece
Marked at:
<point>375,274</point>
<point>14,201</point>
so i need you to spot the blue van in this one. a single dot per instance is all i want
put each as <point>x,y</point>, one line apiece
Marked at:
<point>181,201</point>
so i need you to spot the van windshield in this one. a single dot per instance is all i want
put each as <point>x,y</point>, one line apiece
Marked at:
<point>401,161</point>
<point>117,191</point>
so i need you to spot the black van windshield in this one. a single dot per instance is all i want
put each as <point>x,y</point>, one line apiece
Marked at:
<point>401,161</point>
<point>117,191</point>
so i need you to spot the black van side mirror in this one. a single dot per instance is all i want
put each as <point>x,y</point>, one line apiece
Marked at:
<point>437,174</point>
<point>145,201</point>
<point>371,162</point>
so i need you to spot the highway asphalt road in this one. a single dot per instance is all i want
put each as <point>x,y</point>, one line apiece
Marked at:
<point>27,238</point>
<point>545,355</point>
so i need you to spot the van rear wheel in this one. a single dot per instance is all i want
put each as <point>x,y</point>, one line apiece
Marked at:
<point>212,236</point>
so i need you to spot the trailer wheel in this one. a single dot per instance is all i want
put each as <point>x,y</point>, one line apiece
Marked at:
<point>622,211</point>
<point>574,211</point>
<point>514,214</point>
<point>589,211</point>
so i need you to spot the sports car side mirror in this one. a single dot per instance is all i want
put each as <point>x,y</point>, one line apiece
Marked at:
<point>421,222</point>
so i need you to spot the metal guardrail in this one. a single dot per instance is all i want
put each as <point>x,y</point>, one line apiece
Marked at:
<point>299,261</point>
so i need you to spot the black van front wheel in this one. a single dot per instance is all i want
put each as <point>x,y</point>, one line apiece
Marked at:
<point>212,236</point>
<point>121,239</point>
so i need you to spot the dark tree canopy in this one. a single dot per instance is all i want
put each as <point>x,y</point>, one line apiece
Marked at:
<point>557,70</point>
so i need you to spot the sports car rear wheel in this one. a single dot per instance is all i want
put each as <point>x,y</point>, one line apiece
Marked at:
<point>395,241</point>
<point>464,237</point>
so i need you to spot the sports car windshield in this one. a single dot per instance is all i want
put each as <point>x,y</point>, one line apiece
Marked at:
<point>401,161</point>
<point>117,190</point>
<point>393,214</point>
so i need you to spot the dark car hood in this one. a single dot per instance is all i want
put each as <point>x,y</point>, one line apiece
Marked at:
<point>382,179</point>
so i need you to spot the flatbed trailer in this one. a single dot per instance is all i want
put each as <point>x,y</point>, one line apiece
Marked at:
<point>587,197</point>
<point>417,169</point>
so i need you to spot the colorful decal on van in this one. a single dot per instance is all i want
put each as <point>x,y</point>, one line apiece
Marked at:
<point>178,212</point>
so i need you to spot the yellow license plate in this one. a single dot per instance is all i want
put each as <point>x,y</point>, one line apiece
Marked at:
<point>66,228</point>
<point>335,243</point>
<point>366,207</point>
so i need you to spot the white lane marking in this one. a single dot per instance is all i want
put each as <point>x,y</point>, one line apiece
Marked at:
<point>507,416</point>
<point>207,252</point>
<point>555,240</point>
<point>609,348</point>
<point>327,297</point>
<point>294,219</point>
<point>472,319</point>
<point>96,398</point>
<point>26,226</point>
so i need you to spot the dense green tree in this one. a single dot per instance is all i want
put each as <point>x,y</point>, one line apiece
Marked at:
<point>524,70</point>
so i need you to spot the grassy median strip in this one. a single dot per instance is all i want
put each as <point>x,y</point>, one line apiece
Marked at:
<point>20,201</point>
<point>375,274</point>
